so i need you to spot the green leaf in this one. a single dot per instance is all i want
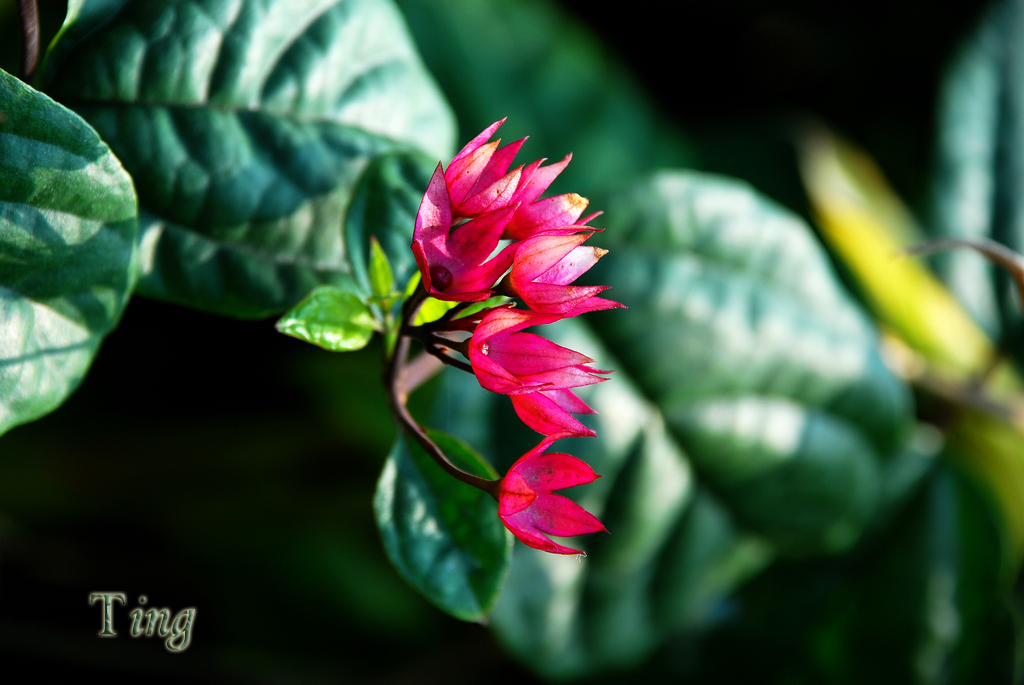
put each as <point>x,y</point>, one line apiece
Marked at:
<point>246,126</point>
<point>443,536</point>
<point>432,309</point>
<point>381,278</point>
<point>749,420</point>
<point>332,318</point>
<point>535,63</point>
<point>979,177</point>
<point>67,237</point>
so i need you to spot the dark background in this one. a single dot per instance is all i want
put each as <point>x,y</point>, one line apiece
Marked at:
<point>203,459</point>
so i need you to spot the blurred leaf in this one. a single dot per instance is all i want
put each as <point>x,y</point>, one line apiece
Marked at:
<point>867,226</point>
<point>443,536</point>
<point>979,177</point>
<point>763,366</point>
<point>384,206</point>
<point>245,139</point>
<point>543,69</point>
<point>432,309</point>
<point>381,278</point>
<point>67,237</point>
<point>334,319</point>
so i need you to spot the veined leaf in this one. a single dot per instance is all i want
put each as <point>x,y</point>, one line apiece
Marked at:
<point>331,318</point>
<point>245,125</point>
<point>443,536</point>
<point>67,238</point>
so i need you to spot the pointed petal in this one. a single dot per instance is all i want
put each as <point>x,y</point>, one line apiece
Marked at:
<point>547,418</point>
<point>552,212</point>
<point>463,175</point>
<point>554,471</point>
<point>567,400</point>
<point>538,254</point>
<point>508,320</point>
<point>527,353</point>
<point>588,218</point>
<point>484,276</point>
<point>558,379</point>
<point>593,304</point>
<point>533,186</point>
<point>480,139</point>
<point>435,212</point>
<point>474,241</point>
<point>558,299</point>
<point>492,197</point>
<point>572,266</point>
<point>521,527</point>
<point>558,515</point>
<point>498,166</point>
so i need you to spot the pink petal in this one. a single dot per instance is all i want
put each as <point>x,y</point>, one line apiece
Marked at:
<point>498,166</point>
<point>435,212</point>
<point>572,266</point>
<point>567,400</point>
<point>508,320</point>
<point>514,494</point>
<point>463,175</point>
<point>555,471</point>
<point>538,254</point>
<point>552,212</point>
<point>536,179</point>
<point>557,299</point>
<point>491,198</point>
<point>474,241</point>
<point>480,139</point>
<point>558,515</point>
<point>522,529</point>
<point>594,304</point>
<point>526,353</point>
<point>570,377</point>
<point>588,218</point>
<point>544,416</point>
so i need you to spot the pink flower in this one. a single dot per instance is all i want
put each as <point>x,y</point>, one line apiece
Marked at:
<point>545,265</point>
<point>508,361</point>
<point>453,263</point>
<point>478,179</point>
<point>550,214</point>
<point>527,507</point>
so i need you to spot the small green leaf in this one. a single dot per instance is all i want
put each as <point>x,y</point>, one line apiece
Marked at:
<point>381,278</point>
<point>431,310</point>
<point>443,536</point>
<point>495,301</point>
<point>67,241</point>
<point>332,318</point>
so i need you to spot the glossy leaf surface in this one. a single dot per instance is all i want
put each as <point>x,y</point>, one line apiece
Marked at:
<point>67,237</point>
<point>444,537</point>
<point>245,126</point>
<point>331,318</point>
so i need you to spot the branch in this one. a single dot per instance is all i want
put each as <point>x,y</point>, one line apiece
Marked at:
<point>995,252</point>
<point>28,14</point>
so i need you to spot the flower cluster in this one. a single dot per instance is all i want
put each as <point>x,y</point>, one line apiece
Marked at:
<point>469,209</point>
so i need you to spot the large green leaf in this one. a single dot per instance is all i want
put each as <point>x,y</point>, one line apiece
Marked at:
<point>67,237</point>
<point>533,62</point>
<point>245,125</point>
<point>980,169</point>
<point>443,536</point>
<point>750,418</point>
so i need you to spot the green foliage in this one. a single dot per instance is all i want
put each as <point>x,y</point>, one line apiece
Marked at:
<point>979,175</point>
<point>382,280</point>
<point>443,536</point>
<point>245,140</point>
<point>331,318</point>
<point>531,62</point>
<point>67,238</point>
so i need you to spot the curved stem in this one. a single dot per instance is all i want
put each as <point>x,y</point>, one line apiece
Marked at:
<point>397,390</point>
<point>993,251</point>
<point>28,14</point>
<point>445,359</point>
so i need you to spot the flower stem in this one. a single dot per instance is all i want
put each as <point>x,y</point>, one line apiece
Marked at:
<point>28,14</point>
<point>395,372</point>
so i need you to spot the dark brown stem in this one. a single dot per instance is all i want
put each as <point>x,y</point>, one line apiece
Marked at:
<point>995,252</point>
<point>28,14</point>
<point>445,359</point>
<point>398,387</point>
